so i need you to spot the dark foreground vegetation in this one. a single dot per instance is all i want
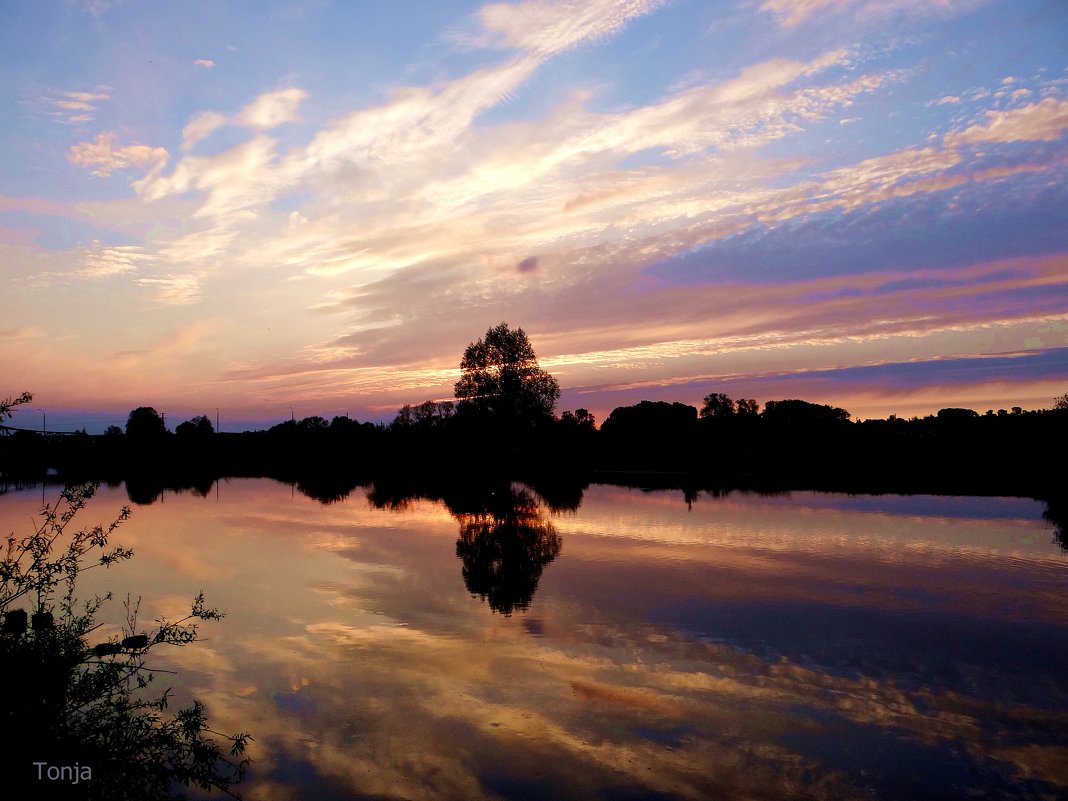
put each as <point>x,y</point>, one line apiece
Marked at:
<point>81,718</point>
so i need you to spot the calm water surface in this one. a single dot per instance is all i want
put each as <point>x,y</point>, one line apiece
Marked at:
<point>803,646</point>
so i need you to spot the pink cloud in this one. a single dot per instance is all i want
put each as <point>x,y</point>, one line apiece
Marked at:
<point>1044,121</point>
<point>17,237</point>
<point>794,12</point>
<point>105,157</point>
<point>78,107</point>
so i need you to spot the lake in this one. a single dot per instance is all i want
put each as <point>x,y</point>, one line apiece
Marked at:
<point>644,645</point>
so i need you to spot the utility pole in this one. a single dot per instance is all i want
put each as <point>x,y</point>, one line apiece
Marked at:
<point>216,419</point>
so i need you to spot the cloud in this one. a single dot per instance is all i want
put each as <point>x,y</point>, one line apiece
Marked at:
<point>415,226</point>
<point>233,180</point>
<point>1044,121</point>
<point>105,157</point>
<point>102,262</point>
<point>201,127</point>
<point>24,333</point>
<point>268,110</point>
<point>173,290</point>
<point>421,212</point>
<point>545,28</point>
<point>272,109</point>
<point>416,123</point>
<point>206,63</point>
<point>419,157</point>
<point>793,12</point>
<point>75,108</point>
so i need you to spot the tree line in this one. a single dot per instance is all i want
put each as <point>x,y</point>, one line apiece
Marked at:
<point>503,419</point>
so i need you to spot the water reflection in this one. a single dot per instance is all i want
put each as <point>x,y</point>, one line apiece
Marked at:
<point>503,546</point>
<point>1056,515</point>
<point>505,539</point>
<point>808,646</point>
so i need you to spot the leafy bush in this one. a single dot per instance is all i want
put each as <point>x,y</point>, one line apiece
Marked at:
<point>80,721</point>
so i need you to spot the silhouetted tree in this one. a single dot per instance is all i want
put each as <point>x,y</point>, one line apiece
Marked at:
<point>748,407</point>
<point>580,418</point>
<point>802,414</point>
<point>7,405</point>
<point>198,427</point>
<point>649,417</point>
<point>717,405</point>
<point>434,413</point>
<point>956,415</point>
<point>145,423</point>
<point>285,428</point>
<point>313,423</point>
<point>502,382</point>
<point>426,415</point>
<point>343,424</point>
<point>1061,404</point>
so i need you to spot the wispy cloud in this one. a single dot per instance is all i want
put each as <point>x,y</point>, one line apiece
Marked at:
<point>173,290</point>
<point>102,262</point>
<point>79,107</point>
<point>546,28</point>
<point>201,127</point>
<point>24,333</point>
<point>792,13</point>
<point>206,63</point>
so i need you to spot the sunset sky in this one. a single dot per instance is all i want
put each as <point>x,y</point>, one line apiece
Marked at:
<point>312,206</point>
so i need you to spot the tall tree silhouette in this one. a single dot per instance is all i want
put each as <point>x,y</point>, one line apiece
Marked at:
<point>717,405</point>
<point>145,423</point>
<point>502,383</point>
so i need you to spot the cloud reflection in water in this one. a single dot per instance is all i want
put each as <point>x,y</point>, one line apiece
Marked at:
<point>810,646</point>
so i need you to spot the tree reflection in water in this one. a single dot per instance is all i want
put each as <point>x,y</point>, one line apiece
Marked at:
<point>505,537</point>
<point>504,546</point>
<point>1056,515</point>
